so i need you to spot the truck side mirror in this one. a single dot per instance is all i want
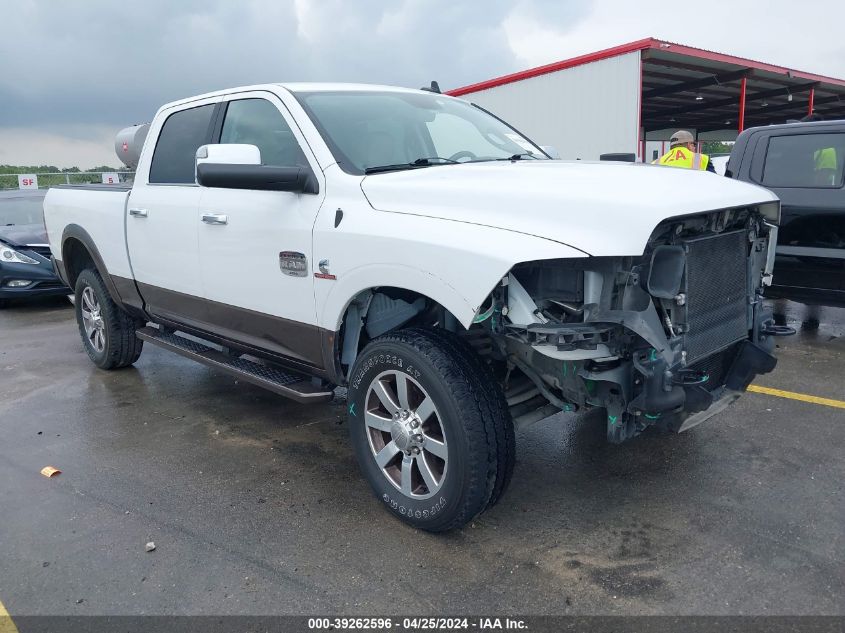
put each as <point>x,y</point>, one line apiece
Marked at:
<point>238,166</point>
<point>229,154</point>
<point>551,150</point>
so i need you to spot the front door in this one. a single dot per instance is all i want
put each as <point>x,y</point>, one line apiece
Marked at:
<point>249,240</point>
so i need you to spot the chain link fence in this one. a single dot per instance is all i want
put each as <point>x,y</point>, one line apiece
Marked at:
<point>51,179</point>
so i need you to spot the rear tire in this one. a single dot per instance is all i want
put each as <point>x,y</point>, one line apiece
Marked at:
<point>427,437</point>
<point>107,331</point>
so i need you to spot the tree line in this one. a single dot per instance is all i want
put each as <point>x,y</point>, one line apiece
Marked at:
<point>50,175</point>
<point>52,169</point>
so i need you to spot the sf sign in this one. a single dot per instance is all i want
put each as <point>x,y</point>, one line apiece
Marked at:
<point>27,181</point>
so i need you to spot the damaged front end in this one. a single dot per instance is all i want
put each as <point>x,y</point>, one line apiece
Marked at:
<point>669,337</point>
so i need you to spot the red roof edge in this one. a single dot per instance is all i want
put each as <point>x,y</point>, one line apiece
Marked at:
<point>607,53</point>
<point>641,45</point>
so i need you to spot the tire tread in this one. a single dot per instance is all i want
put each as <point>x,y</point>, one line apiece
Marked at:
<point>124,347</point>
<point>498,411</point>
<point>484,414</point>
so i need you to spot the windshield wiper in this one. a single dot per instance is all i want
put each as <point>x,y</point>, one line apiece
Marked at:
<point>425,162</point>
<point>420,162</point>
<point>521,156</point>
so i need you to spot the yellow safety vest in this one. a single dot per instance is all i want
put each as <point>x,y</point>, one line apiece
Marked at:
<point>682,157</point>
<point>825,158</point>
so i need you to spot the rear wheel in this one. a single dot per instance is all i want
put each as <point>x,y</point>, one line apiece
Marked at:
<point>423,430</point>
<point>108,332</point>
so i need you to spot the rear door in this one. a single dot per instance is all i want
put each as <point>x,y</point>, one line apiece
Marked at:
<point>248,235</point>
<point>162,215</point>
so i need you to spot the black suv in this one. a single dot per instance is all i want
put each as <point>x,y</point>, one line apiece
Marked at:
<point>804,164</point>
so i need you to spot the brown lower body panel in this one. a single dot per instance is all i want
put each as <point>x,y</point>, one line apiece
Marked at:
<point>282,340</point>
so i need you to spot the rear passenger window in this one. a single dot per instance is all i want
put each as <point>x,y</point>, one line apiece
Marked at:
<point>805,160</point>
<point>258,122</point>
<point>175,154</point>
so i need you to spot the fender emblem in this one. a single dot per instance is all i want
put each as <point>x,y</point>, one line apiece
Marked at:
<point>324,270</point>
<point>293,264</point>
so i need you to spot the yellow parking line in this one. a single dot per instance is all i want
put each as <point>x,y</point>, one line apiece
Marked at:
<point>803,397</point>
<point>6,623</point>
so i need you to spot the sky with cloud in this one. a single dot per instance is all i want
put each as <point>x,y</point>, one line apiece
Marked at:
<point>76,72</point>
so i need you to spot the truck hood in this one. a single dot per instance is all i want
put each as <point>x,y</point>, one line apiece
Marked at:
<point>600,209</point>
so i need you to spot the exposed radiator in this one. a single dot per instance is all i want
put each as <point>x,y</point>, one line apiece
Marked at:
<point>717,293</point>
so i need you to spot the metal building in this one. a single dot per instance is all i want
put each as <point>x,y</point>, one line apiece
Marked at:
<point>630,98</point>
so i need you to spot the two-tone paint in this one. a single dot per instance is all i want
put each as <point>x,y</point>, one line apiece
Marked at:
<point>448,233</point>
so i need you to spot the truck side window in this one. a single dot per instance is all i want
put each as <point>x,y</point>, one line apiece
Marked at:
<point>258,122</point>
<point>175,153</point>
<point>805,160</point>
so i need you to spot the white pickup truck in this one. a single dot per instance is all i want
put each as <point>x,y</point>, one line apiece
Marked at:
<point>419,251</point>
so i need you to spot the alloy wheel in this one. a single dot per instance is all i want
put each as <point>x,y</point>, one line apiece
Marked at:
<point>406,434</point>
<point>92,320</point>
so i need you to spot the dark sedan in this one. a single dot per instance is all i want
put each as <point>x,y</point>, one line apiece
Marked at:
<point>25,267</point>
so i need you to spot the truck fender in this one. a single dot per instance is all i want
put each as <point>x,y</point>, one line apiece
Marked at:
<point>70,273</point>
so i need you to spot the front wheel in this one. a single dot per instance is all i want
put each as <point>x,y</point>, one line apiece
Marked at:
<point>424,430</point>
<point>108,332</point>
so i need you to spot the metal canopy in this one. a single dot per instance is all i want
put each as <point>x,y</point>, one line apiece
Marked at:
<point>684,87</point>
<point>705,91</point>
<point>713,95</point>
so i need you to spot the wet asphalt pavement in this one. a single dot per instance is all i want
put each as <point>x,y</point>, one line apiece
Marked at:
<point>256,506</point>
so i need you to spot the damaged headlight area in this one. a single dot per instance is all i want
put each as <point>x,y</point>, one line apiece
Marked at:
<point>669,337</point>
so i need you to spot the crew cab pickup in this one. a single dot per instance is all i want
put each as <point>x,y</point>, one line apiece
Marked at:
<point>425,255</point>
<point>804,165</point>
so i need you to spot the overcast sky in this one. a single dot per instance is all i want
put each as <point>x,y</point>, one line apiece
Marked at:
<point>73,73</point>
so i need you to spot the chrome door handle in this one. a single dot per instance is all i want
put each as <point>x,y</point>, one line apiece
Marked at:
<point>138,213</point>
<point>215,218</point>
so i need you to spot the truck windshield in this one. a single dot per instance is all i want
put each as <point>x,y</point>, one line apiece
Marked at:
<point>372,132</point>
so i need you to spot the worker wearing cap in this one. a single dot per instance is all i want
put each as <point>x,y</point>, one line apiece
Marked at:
<point>682,154</point>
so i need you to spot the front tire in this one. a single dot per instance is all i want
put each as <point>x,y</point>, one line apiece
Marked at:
<point>107,331</point>
<point>424,430</point>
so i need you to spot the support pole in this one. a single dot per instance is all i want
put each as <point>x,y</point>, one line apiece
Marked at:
<point>812,97</point>
<point>742,104</point>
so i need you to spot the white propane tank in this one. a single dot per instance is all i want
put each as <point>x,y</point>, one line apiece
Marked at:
<point>128,144</point>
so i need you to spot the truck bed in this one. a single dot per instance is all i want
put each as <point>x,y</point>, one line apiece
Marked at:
<point>99,211</point>
<point>124,186</point>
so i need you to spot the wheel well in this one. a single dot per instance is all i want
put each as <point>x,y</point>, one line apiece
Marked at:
<point>377,311</point>
<point>76,258</point>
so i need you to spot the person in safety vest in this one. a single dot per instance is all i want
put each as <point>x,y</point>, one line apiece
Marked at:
<point>682,154</point>
<point>825,164</point>
<point>825,160</point>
